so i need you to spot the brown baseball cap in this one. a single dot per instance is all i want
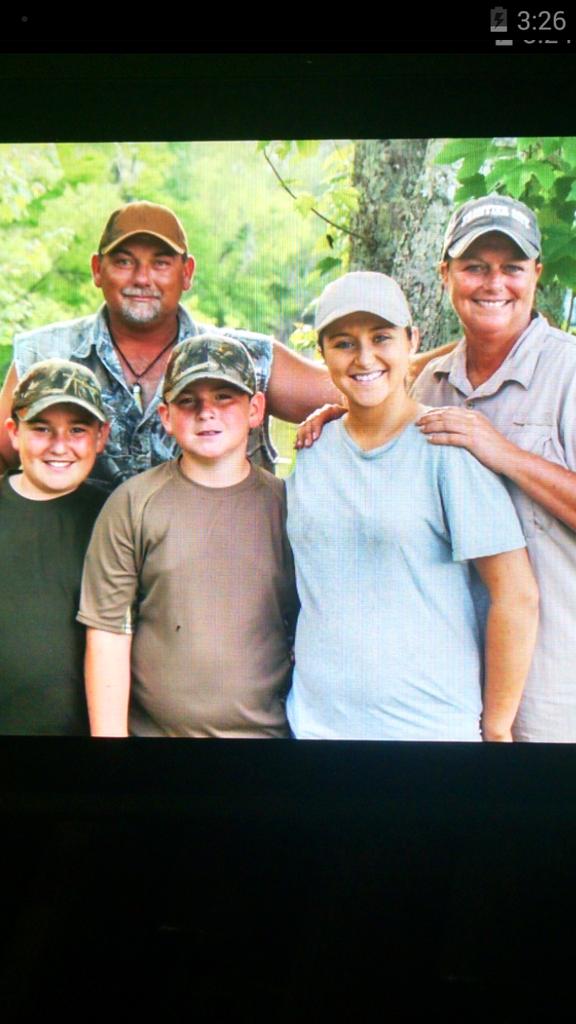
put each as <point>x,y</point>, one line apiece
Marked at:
<point>143,218</point>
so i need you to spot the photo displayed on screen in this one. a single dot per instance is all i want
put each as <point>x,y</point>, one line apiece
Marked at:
<point>180,558</point>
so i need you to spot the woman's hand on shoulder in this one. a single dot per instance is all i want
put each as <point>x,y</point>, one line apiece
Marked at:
<point>465,428</point>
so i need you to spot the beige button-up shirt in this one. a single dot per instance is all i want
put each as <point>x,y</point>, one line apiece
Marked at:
<point>531,400</point>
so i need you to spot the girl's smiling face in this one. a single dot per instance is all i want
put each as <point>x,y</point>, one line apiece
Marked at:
<point>367,358</point>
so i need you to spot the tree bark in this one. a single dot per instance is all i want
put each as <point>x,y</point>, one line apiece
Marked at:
<point>405,204</point>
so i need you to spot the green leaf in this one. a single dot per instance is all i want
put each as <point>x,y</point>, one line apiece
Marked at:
<point>283,148</point>
<point>304,203</point>
<point>470,166</point>
<point>559,240</point>
<point>563,269</point>
<point>498,148</point>
<point>327,264</point>
<point>304,336</point>
<point>510,173</point>
<point>307,147</point>
<point>550,146</point>
<point>543,171</point>
<point>527,142</point>
<point>569,150</point>
<point>472,188</point>
<point>349,197</point>
<point>459,149</point>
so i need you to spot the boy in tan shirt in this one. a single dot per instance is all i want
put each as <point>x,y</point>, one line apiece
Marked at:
<point>188,587</point>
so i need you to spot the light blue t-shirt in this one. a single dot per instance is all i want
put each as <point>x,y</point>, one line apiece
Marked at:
<point>388,642</point>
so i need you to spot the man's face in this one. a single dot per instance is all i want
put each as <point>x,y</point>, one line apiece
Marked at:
<point>57,449</point>
<point>210,419</point>
<point>142,280</point>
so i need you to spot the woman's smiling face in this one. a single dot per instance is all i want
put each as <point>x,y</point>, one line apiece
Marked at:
<point>367,358</point>
<point>492,287</point>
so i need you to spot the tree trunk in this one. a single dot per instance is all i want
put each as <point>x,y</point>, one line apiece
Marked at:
<point>405,204</point>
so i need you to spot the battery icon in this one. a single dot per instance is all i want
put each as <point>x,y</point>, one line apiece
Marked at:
<point>498,19</point>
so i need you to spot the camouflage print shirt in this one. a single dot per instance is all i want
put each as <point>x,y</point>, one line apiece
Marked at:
<point>137,439</point>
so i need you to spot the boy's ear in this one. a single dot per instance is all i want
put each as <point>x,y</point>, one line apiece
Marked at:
<point>164,414</point>
<point>12,431</point>
<point>103,434</point>
<point>256,409</point>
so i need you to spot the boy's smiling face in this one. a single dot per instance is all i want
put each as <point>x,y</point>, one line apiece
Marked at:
<point>210,420</point>
<point>57,449</point>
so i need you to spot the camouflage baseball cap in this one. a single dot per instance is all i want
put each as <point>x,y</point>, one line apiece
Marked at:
<point>54,381</point>
<point>143,219</point>
<point>209,357</point>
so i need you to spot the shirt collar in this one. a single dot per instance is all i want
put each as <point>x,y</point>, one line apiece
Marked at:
<point>519,365</point>
<point>98,336</point>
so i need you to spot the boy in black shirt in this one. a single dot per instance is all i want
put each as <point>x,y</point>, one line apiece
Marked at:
<point>58,426</point>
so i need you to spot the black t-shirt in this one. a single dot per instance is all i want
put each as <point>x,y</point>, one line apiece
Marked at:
<point>42,548</point>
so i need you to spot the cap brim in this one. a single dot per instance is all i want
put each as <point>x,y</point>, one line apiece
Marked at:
<point>458,249</point>
<point>192,377</point>
<point>28,412</point>
<point>142,231</point>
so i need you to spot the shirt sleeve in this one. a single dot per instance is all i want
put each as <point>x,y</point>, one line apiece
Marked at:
<point>110,578</point>
<point>567,423</point>
<point>479,512</point>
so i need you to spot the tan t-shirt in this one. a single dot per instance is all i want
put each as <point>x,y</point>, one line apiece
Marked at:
<point>203,577</point>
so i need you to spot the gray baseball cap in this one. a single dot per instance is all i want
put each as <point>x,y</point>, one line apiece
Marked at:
<point>479,217</point>
<point>209,357</point>
<point>56,381</point>
<point>363,291</point>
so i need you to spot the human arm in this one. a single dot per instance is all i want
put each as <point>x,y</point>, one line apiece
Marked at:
<point>8,455</point>
<point>421,359</point>
<point>297,386</point>
<point>107,672</point>
<point>551,485</point>
<point>510,637</point>
<point>109,586</point>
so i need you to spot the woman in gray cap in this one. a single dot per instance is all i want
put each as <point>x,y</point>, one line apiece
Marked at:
<point>507,393</point>
<point>384,530</point>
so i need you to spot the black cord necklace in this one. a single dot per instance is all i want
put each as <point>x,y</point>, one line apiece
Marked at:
<point>136,388</point>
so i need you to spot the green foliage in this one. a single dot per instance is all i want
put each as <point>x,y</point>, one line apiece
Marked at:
<point>304,338</point>
<point>318,179</point>
<point>539,171</point>
<point>254,251</point>
<point>5,360</point>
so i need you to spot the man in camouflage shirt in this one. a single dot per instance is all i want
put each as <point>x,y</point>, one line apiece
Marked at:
<point>142,267</point>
